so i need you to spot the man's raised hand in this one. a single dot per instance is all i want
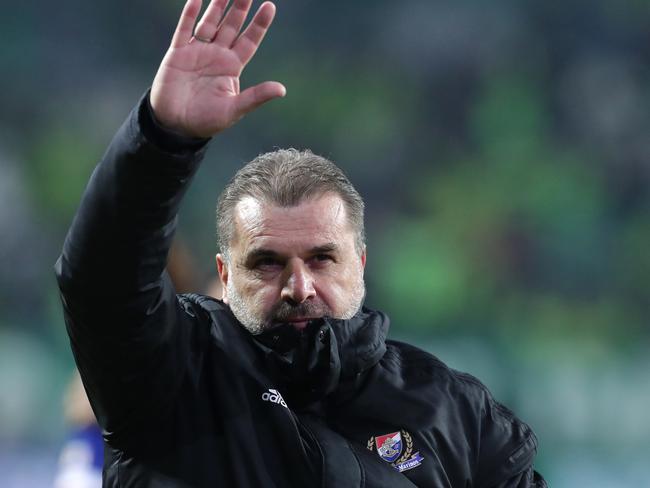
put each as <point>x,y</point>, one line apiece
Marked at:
<point>196,90</point>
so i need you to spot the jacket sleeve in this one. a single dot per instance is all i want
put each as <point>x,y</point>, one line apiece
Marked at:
<point>504,447</point>
<point>507,450</point>
<point>527,479</point>
<point>129,335</point>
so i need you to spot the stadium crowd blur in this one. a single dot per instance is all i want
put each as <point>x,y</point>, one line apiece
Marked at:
<point>503,153</point>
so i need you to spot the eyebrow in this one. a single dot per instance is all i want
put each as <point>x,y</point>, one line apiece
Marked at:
<point>269,253</point>
<point>260,253</point>
<point>325,248</point>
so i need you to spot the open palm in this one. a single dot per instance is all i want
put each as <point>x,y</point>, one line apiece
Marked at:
<point>196,90</point>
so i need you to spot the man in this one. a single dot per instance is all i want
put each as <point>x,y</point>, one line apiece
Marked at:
<point>288,381</point>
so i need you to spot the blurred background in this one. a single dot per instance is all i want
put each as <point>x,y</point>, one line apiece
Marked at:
<point>503,151</point>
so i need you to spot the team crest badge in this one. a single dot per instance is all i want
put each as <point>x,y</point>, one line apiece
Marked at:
<point>396,448</point>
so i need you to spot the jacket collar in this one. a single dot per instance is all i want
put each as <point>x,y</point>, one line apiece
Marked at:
<point>324,356</point>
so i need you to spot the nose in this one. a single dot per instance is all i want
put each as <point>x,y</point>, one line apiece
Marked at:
<point>299,285</point>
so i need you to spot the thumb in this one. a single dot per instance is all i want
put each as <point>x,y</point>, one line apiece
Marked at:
<point>253,97</point>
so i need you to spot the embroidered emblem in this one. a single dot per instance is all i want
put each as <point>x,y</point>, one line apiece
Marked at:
<point>389,446</point>
<point>396,448</point>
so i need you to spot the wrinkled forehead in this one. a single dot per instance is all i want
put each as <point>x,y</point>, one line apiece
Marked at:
<point>312,222</point>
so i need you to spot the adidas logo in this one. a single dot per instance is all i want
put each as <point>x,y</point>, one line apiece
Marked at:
<point>274,396</point>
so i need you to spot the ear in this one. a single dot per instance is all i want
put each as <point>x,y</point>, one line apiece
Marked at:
<point>363,258</point>
<point>222,268</point>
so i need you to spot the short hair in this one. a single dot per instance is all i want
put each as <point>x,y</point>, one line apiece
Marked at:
<point>287,177</point>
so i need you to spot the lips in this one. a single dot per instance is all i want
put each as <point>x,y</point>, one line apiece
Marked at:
<point>299,323</point>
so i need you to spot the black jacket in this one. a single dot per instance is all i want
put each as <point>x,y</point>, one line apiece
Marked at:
<point>187,397</point>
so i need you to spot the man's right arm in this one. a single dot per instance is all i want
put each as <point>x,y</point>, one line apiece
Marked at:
<point>121,311</point>
<point>120,307</point>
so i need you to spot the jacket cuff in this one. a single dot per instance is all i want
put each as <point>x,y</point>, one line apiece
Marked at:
<point>163,138</point>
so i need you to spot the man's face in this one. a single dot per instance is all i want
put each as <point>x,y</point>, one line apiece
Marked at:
<point>292,264</point>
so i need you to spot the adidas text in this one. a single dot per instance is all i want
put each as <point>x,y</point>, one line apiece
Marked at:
<point>274,396</point>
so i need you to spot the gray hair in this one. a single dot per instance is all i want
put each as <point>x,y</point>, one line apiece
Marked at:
<point>287,177</point>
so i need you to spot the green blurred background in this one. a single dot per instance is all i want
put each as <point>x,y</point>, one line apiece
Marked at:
<point>503,151</point>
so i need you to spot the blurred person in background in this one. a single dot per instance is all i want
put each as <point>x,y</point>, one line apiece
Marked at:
<point>288,380</point>
<point>82,456</point>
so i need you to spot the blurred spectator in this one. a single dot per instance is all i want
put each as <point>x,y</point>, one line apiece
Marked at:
<point>181,268</point>
<point>214,288</point>
<point>82,456</point>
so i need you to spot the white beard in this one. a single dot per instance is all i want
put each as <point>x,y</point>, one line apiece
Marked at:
<point>242,311</point>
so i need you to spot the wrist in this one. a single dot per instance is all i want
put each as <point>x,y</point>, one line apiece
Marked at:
<point>166,138</point>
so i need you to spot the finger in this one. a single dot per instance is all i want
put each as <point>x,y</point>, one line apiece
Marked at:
<point>253,97</point>
<point>185,26</point>
<point>232,23</point>
<point>207,26</point>
<point>248,42</point>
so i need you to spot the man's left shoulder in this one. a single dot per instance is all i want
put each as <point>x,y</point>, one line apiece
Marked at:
<point>421,369</point>
<point>458,405</point>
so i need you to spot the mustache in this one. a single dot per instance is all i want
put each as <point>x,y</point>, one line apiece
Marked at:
<point>285,311</point>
